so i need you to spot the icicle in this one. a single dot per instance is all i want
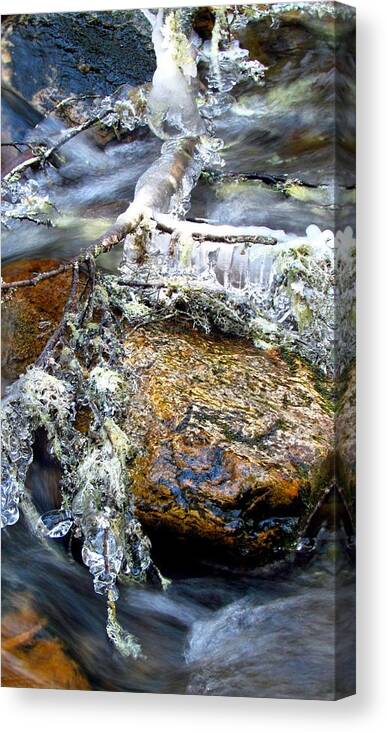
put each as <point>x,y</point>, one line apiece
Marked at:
<point>125,643</point>
<point>172,109</point>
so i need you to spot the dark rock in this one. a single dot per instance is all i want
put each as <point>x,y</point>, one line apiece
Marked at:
<point>64,54</point>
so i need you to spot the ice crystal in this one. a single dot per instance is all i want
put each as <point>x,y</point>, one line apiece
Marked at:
<point>23,200</point>
<point>227,65</point>
<point>126,109</point>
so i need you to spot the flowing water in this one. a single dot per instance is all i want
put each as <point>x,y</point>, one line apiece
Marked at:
<point>217,630</point>
<point>213,632</point>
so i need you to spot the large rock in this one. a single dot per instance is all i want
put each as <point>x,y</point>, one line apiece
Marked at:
<point>235,443</point>
<point>58,55</point>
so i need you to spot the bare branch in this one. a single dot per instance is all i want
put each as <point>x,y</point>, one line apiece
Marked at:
<point>69,307</point>
<point>19,169</point>
<point>44,157</point>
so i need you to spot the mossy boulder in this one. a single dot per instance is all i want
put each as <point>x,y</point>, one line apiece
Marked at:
<point>235,443</point>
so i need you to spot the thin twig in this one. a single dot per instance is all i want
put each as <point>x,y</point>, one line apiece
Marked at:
<point>69,100</point>
<point>24,217</point>
<point>15,144</point>
<point>104,244</point>
<point>69,308</point>
<point>44,157</point>
<point>32,281</point>
<point>91,285</point>
<point>213,232</point>
<point>19,169</point>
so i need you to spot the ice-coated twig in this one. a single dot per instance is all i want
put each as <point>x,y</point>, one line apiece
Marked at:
<point>213,232</point>
<point>69,307</point>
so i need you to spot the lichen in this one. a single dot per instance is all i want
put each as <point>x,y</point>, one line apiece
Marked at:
<point>97,505</point>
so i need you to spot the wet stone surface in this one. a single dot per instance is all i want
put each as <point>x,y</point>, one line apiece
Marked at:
<point>77,53</point>
<point>30,314</point>
<point>31,657</point>
<point>235,443</point>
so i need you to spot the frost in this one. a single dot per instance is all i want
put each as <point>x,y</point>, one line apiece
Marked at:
<point>104,380</point>
<point>127,109</point>
<point>23,200</point>
<point>345,315</point>
<point>37,399</point>
<point>287,288</point>
<point>97,504</point>
<point>125,643</point>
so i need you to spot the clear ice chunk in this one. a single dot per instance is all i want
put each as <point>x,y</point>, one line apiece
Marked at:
<point>103,554</point>
<point>172,108</point>
<point>55,524</point>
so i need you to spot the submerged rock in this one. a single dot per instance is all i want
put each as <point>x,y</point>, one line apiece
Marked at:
<point>235,443</point>
<point>31,657</point>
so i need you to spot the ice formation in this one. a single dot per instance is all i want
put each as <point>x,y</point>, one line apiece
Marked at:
<point>96,500</point>
<point>172,108</point>
<point>227,64</point>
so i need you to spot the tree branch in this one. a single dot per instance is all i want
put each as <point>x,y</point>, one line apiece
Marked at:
<point>69,307</point>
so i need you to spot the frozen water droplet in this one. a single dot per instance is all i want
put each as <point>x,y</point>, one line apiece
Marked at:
<point>55,524</point>
<point>9,496</point>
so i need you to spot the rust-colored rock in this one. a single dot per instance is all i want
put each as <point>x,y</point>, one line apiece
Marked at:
<point>30,314</point>
<point>237,443</point>
<point>30,657</point>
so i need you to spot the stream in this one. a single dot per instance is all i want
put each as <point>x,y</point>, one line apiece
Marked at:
<point>283,630</point>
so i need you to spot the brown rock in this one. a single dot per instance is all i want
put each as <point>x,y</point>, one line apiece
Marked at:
<point>30,314</point>
<point>32,661</point>
<point>237,443</point>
